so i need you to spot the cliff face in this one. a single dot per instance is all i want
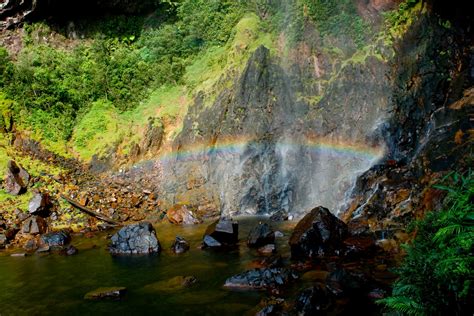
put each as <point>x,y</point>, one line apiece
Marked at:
<point>365,136</point>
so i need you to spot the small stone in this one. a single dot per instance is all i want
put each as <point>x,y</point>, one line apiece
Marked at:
<point>267,249</point>
<point>260,236</point>
<point>39,204</point>
<point>56,239</point>
<point>137,238</point>
<point>43,249</point>
<point>18,254</point>
<point>34,225</point>
<point>71,250</point>
<point>180,245</point>
<point>221,233</point>
<point>17,179</point>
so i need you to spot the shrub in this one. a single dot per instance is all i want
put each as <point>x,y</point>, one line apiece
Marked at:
<point>436,276</point>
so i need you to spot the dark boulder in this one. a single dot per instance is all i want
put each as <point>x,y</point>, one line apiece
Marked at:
<point>56,239</point>
<point>39,204</point>
<point>137,238</point>
<point>270,310</point>
<point>261,279</point>
<point>260,236</point>
<point>221,233</point>
<point>34,225</point>
<point>16,180</point>
<point>180,245</point>
<point>319,233</point>
<point>343,283</point>
<point>313,301</point>
<point>114,293</point>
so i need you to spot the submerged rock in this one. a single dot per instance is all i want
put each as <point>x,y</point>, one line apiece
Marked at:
<point>34,225</point>
<point>319,233</point>
<point>313,301</point>
<point>260,236</point>
<point>56,239</point>
<point>101,293</point>
<point>137,238</point>
<point>260,279</point>
<point>223,232</point>
<point>180,245</point>
<point>39,204</point>
<point>177,283</point>
<point>16,180</point>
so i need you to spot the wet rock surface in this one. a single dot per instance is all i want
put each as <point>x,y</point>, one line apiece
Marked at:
<point>260,279</point>
<point>319,233</point>
<point>260,236</point>
<point>56,239</point>
<point>222,233</point>
<point>102,293</point>
<point>313,301</point>
<point>135,239</point>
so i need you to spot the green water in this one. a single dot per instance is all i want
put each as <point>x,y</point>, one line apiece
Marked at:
<point>55,285</point>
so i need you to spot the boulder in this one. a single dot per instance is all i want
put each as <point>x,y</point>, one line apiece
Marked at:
<point>279,216</point>
<point>181,214</point>
<point>343,283</point>
<point>114,293</point>
<point>221,233</point>
<point>319,233</point>
<point>34,225</point>
<point>39,204</point>
<point>137,238</point>
<point>56,239</point>
<point>313,301</point>
<point>16,180</point>
<point>270,310</point>
<point>260,236</point>
<point>70,250</point>
<point>180,245</point>
<point>261,279</point>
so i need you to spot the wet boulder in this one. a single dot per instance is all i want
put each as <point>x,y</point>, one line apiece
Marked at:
<point>279,216</point>
<point>313,301</point>
<point>39,204</point>
<point>137,238</point>
<point>16,179</point>
<point>56,239</point>
<point>180,245</point>
<point>261,279</point>
<point>223,232</point>
<point>114,293</point>
<point>319,233</point>
<point>260,236</point>
<point>34,225</point>
<point>182,215</point>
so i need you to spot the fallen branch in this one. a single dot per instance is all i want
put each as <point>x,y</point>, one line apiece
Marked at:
<point>90,212</point>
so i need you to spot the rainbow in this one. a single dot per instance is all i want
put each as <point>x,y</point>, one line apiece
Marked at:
<point>235,146</point>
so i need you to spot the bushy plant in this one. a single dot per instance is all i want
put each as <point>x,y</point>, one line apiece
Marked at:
<point>436,276</point>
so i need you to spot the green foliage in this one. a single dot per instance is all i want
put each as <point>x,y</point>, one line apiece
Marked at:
<point>336,18</point>
<point>437,273</point>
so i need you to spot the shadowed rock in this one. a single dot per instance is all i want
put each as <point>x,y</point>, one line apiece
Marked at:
<point>313,301</point>
<point>135,239</point>
<point>34,225</point>
<point>318,234</point>
<point>16,180</point>
<point>223,232</point>
<point>39,204</point>
<point>260,236</point>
